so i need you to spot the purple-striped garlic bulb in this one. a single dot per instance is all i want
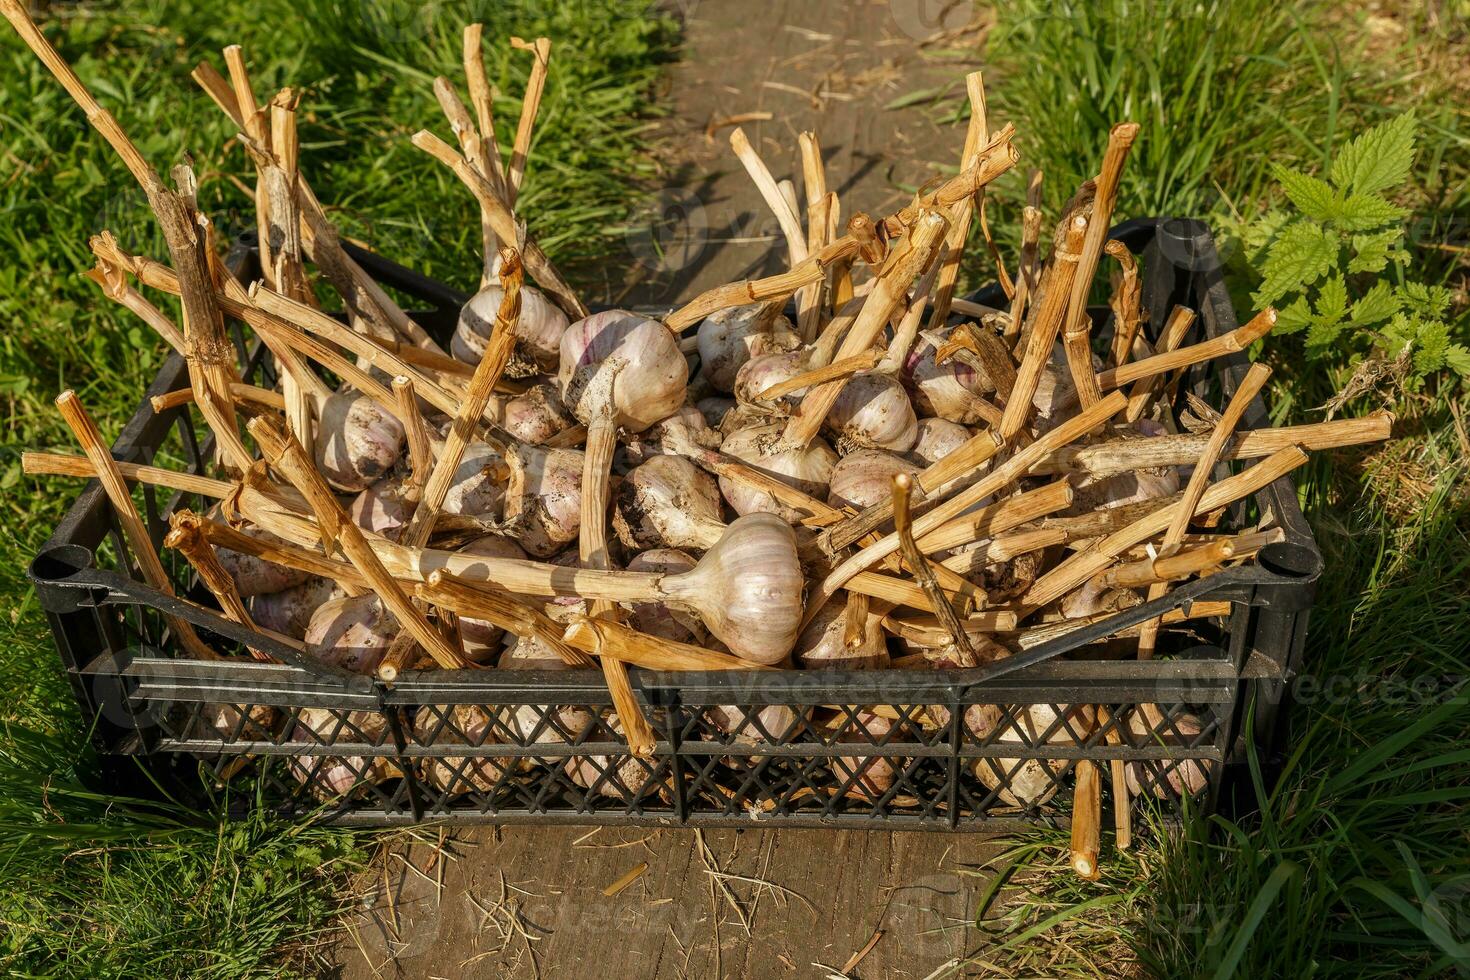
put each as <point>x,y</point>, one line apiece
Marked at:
<point>952,390</point>
<point>868,777</point>
<point>383,508</point>
<point>538,331</point>
<point>543,500</point>
<point>540,724</point>
<point>1031,782</point>
<point>622,776</point>
<point>657,618</point>
<point>864,477</point>
<point>459,724</point>
<point>334,777</point>
<point>289,611</point>
<point>760,373</point>
<point>808,469</point>
<point>822,645</point>
<point>937,439</point>
<point>668,502</point>
<point>478,489</point>
<point>729,338</point>
<point>622,367</point>
<point>352,633</point>
<point>482,639</point>
<point>357,441</point>
<point>536,414</point>
<point>874,411</point>
<point>254,576</point>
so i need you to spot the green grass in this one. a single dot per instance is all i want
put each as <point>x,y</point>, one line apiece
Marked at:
<point>92,887</point>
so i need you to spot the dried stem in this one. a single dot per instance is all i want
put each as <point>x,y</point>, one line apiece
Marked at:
<point>420,449</point>
<point>965,653</point>
<point>1086,821</point>
<point>186,536</point>
<point>530,105</point>
<point>1125,301</point>
<point>1144,389</point>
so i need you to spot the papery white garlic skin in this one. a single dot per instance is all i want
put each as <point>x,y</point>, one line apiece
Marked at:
<point>728,338</point>
<point>289,611</point>
<point>543,500</point>
<point>657,618</point>
<point>539,724</point>
<point>538,331</point>
<point>622,365</point>
<point>868,777</point>
<point>352,633</point>
<point>459,724</point>
<point>1181,777</point>
<point>864,477</point>
<point>618,776</point>
<point>482,639</point>
<point>809,469</point>
<point>874,411</point>
<point>255,576</point>
<point>714,410</point>
<point>948,391</point>
<point>822,645</point>
<point>668,502</point>
<point>1032,782</point>
<point>357,442</point>
<point>536,414</point>
<point>937,439</point>
<point>770,724</point>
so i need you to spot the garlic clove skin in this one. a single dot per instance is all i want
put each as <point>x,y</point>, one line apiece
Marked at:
<point>481,639</point>
<point>539,724</point>
<point>667,501</point>
<point>656,618</point>
<point>729,338</point>
<point>1091,599</point>
<point>382,508</point>
<point>809,469</point>
<point>352,633</point>
<point>289,611</point>
<point>536,415</point>
<point>759,373</point>
<point>873,411</point>
<point>937,439</point>
<point>748,589</point>
<point>864,477</point>
<point>618,364</point>
<point>460,724</point>
<point>255,576</point>
<point>538,331</point>
<point>543,500</point>
<point>357,442</point>
<point>821,645</point>
<point>948,391</point>
<point>1165,777</point>
<point>771,724</point>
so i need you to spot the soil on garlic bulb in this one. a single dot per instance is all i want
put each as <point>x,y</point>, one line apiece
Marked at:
<point>357,441</point>
<point>808,469</point>
<point>667,502</point>
<point>352,633</point>
<point>538,330</point>
<point>536,414</point>
<point>543,498</point>
<point>729,338</point>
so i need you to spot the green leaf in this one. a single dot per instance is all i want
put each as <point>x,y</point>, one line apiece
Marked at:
<point>1433,342</point>
<point>1324,333</point>
<point>1457,358</point>
<point>1296,315</point>
<point>1303,254</point>
<point>1429,301</point>
<point>1315,198</point>
<point>1372,251</point>
<point>1377,159</point>
<point>1332,301</point>
<point>1364,212</point>
<point>1376,305</point>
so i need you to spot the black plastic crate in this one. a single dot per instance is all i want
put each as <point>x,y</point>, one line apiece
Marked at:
<point>780,748</point>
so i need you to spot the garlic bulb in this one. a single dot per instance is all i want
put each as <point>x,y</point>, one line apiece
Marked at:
<point>868,777</point>
<point>289,611</point>
<point>255,576</point>
<point>332,777</point>
<point>1163,777</point>
<point>352,633</point>
<point>621,366</point>
<point>459,724</point>
<point>657,619</point>
<point>808,469</point>
<point>668,502</point>
<point>478,489</point>
<point>731,337</point>
<point>382,508</point>
<point>357,442</point>
<point>621,777</point>
<point>1054,394</point>
<point>760,373</point>
<point>951,390</point>
<point>770,724</point>
<point>864,477</point>
<point>874,411</point>
<point>1092,598</point>
<point>482,639</point>
<point>540,724</point>
<point>543,500</point>
<point>536,414</point>
<point>821,645</point>
<point>1032,782</point>
<point>538,331</point>
<point>937,439</point>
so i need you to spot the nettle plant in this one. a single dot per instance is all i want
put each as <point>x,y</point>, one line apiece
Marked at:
<point>1335,266</point>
